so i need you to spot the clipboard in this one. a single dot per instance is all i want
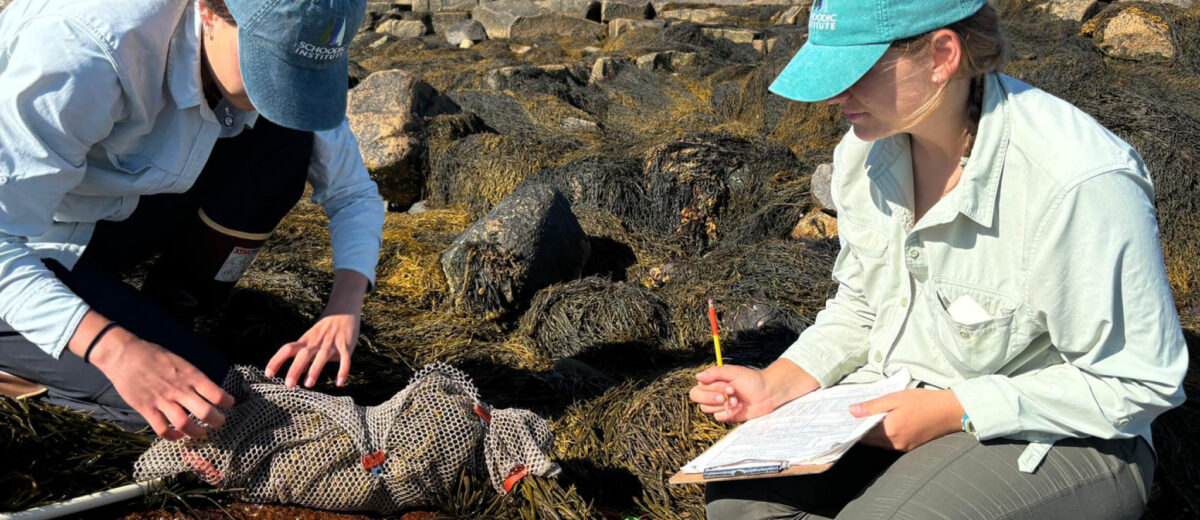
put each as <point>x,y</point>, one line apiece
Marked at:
<point>769,469</point>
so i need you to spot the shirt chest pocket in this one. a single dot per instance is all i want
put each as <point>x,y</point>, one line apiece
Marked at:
<point>972,325</point>
<point>870,248</point>
<point>147,174</point>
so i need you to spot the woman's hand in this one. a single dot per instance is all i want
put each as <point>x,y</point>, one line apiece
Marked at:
<point>332,338</point>
<point>736,394</point>
<point>160,386</point>
<point>914,417</point>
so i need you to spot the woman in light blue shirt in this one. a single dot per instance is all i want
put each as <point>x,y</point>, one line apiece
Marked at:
<point>1001,246</point>
<point>131,128</point>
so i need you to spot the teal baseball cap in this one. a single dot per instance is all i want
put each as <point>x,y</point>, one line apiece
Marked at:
<point>847,37</point>
<point>293,58</point>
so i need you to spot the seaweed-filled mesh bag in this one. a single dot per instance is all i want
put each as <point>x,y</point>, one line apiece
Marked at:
<point>304,447</point>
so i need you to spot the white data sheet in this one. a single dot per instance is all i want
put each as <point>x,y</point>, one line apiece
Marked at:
<point>814,429</point>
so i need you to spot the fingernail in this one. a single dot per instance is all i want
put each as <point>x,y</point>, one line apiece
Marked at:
<point>310,382</point>
<point>290,382</point>
<point>720,398</point>
<point>341,381</point>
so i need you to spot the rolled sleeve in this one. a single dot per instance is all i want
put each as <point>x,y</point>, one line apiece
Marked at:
<point>343,187</point>
<point>61,96</point>
<point>1098,283</point>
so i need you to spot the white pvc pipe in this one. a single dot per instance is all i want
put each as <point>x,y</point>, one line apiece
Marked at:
<point>86,502</point>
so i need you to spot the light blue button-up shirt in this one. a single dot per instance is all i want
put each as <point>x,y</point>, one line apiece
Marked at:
<point>100,103</point>
<point>1050,238</point>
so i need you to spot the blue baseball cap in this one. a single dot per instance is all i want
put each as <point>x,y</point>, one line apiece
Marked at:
<point>293,58</point>
<point>847,37</point>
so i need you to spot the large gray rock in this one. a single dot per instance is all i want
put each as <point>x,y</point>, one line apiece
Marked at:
<point>529,241</point>
<point>700,16</point>
<point>401,28</point>
<point>386,113</point>
<point>499,16</point>
<point>636,9</point>
<point>619,26</point>
<point>789,16</point>
<point>555,25</point>
<point>444,20</point>
<point>733,35</point>
<point>469,30</point>
<point>587,9</point>
<point>1074,10</point>
<point>822,185</point>
<point>433,6</point>
<point>1180,3</point>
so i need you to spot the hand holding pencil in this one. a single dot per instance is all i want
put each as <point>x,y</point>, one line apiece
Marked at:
<point>734,393</point>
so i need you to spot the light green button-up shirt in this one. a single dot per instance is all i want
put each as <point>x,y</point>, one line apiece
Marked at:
<point>1050,235</point>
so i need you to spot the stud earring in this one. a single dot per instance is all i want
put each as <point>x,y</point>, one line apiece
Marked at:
<point>937,79</point>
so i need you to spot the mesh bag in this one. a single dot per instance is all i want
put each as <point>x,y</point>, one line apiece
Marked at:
<point>303,447</point>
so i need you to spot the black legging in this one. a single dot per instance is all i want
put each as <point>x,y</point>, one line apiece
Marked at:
<point>249,184</point>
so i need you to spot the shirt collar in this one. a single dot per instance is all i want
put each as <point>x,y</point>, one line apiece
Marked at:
<point>980,182</point>
<point>183,72</point>
<point>977,189</point>
<point>183,61</point>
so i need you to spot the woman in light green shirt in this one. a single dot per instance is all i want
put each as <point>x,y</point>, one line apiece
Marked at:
<point>999,244</point>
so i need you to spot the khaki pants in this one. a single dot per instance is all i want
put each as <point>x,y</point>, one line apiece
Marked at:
<point>954,478</point>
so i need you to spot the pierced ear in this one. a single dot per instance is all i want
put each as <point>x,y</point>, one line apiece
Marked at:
<point>947,54</point>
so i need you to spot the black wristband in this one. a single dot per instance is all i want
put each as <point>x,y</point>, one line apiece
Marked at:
<point>96,340</point>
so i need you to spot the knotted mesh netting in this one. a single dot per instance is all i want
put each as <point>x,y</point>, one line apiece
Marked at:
<point>304,447</point>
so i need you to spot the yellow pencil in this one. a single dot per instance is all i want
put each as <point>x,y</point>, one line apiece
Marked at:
<point>712,318</point>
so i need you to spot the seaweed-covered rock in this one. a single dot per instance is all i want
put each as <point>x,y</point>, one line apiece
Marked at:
<point>699,186</point>
<point>467,30</point>
<point>401,28</point>
<point>498,111</point>
<point>558,80</point>
<point>1132,33</point>
<point>529,241</point>
<point>478,171</point>
<point>569,319</point>
<point>386,112</point>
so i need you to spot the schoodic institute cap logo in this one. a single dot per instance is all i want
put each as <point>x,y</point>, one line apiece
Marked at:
<point>330,45</point>
<point>821,19</point>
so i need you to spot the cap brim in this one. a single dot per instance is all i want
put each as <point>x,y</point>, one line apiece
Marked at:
<point>290,96</point>
<point>819,72</point>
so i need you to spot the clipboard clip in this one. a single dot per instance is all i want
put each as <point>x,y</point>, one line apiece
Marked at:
<point>745,468</point>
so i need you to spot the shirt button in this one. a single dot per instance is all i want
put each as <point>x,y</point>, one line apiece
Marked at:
<point>1122,422</point>
<point>904,302</point>
<point>964,333</point>
<point>914,253</point>
<point>879,357</point>
<point>3,180</point>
